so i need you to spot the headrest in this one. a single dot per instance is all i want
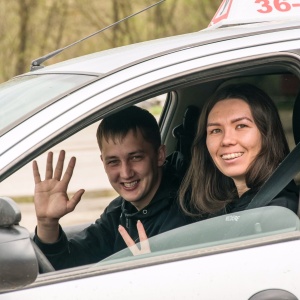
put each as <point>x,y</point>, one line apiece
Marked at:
<point>189,123</point>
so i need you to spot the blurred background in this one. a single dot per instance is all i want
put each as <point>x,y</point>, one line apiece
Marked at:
<point>32,28</point>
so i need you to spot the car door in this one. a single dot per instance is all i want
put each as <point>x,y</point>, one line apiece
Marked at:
<point>189,76</point>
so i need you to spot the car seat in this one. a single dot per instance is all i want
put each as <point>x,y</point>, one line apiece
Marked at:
<point>296,119</point>
<point>296,132</point>
<point>185,134</point>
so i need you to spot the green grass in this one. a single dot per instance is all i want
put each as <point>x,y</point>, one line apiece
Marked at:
<point>23,199</point>
<point>156,110</point>
<point>88,194</point>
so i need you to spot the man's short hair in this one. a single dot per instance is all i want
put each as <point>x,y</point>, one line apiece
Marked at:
<point>133,118</point>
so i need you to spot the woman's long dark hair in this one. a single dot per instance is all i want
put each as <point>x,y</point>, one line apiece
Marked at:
<point>205,189</point>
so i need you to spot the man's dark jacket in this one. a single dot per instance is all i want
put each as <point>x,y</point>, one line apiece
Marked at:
<point>102,238</point>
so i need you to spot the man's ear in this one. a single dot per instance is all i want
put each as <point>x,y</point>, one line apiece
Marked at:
<point>161,155</point>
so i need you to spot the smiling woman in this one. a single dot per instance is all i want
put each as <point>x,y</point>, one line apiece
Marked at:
<point>61,103</point>
<point>231,156</point>
<point>233,139</point>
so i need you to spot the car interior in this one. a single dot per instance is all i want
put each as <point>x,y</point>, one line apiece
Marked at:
<point>283,86</point>
<point>184,99</point>
<point>184,104</point>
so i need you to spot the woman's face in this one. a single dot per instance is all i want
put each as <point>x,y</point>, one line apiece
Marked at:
<point>233,139</point>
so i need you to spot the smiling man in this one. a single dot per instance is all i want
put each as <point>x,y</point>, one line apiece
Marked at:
<point>134,160</point>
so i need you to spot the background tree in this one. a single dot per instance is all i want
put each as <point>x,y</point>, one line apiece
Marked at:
<point>32,28</point>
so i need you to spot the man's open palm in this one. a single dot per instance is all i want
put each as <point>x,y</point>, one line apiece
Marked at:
<point>51,198</point>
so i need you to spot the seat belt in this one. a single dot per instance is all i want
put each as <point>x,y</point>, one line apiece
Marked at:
<point>279,179</point>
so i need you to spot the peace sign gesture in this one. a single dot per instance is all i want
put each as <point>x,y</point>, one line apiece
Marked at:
<point>144,242</point>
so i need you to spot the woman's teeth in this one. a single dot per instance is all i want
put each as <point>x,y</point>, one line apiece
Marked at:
<point>231,155</point>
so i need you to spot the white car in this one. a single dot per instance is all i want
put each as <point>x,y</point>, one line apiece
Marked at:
<point>250,255</point>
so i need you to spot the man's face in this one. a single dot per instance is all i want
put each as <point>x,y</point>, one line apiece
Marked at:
<point>133,167</point>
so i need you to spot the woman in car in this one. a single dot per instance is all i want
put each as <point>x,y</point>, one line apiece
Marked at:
<point>239,142</point>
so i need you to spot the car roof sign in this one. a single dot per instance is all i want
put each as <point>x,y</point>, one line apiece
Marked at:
<point>235,12</point>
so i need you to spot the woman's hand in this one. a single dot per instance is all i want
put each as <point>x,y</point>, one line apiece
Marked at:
<point>144,242</point>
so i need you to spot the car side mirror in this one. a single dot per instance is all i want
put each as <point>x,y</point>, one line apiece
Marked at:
<point>9,212</point>
<point>18,262</point>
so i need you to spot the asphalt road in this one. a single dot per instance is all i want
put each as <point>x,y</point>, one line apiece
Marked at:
<point>89,174</point>
<point>87,211</point>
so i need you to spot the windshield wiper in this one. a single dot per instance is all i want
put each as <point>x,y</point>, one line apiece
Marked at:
<point>37,63</point>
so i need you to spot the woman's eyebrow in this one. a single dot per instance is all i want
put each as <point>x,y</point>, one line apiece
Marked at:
<point>232,121</point>
<point>240,119</point>
<point>213,124</point>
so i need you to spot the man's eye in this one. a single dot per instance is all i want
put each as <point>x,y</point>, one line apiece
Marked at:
<point>136,158</point>
<point>112,162</point>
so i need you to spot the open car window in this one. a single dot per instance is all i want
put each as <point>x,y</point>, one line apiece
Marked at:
<point>231,228</point>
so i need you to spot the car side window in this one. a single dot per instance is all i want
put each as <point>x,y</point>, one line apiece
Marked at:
<point>88,174</point>
<point>228,229</point>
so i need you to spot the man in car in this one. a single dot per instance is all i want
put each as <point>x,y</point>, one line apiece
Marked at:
<point>134,160</point>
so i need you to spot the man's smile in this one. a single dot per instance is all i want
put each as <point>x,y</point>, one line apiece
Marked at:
<point>131,184</point>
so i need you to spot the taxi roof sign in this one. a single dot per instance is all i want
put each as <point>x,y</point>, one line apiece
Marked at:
<point>232,12</point>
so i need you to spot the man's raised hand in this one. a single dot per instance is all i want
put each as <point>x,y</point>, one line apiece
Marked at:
<point>50,196</point>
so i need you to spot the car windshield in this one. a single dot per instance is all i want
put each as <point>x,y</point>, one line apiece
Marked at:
<point>226,229</point>
<point>28,94</point>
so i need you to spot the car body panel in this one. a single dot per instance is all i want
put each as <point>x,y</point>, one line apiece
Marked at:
<point>231,12</point>
<point>196,276</point>
<point>188,68</point>
<point>110,61</point>
<point>139,76</point>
